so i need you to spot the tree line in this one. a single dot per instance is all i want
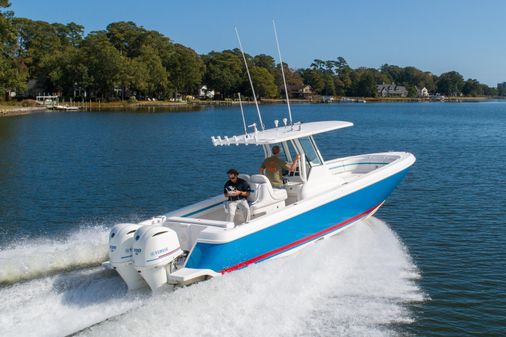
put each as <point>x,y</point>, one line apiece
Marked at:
<point>126,60</point>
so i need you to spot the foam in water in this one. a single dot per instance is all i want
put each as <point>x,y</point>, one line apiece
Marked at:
<point>28,259</point>
<point>358,283</point>
<point>63,304</point>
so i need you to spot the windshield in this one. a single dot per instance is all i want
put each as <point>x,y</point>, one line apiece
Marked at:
<point>310,151</point>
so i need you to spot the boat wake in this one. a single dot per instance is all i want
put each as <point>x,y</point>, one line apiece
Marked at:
<point>359,283</point>
<point>29,259</point>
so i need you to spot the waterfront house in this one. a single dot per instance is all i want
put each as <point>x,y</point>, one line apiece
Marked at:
<point>294,90</point>
<point>205,93</point>
<point>306,91</point>
<point>422,92</point>
<point>391,90</point>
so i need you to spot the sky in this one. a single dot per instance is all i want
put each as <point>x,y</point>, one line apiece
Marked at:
<point>437,36</point>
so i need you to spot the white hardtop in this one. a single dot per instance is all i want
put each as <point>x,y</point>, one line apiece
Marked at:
<point>281,133</point>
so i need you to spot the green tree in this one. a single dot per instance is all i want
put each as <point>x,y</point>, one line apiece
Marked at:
<point>46,50</point>
<point>342,81</point>
<point>393,73</point>
<point>13,71</point>
<point>318,65</point>
<point>328,77</point>
<point>186,69</point>
<point>341,65</point>
<point>38,44</point>
<point>366,86</point>
<point>329,87</point>
<point>160,43</point>
<point>265,61</point>
<point>158,80</point>
<point>365,81</point>
<point>124,37</point>
<point>412,92</point>
<point>263,81</point>
<point>412,76</point>
<point>314,78</point>
<point>472,87</point>
<point>129,39</point>
<point>450,83</point>
<point>104,64</point>
<point>408,76</point>
<point>76,77</point>
<point>70,34</point>
<point>134,78</point>
<point>488,91</point>
<point>224,72</point>
<point>339,86</point>
<point>294,81</point>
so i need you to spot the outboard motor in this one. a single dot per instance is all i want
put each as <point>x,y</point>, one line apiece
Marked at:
<point>155,248</point>
<point>121,239</point>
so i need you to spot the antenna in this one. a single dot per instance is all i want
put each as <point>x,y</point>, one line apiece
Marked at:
<point>282,72</point>
<point>250,80</point>
<point>242,113</point>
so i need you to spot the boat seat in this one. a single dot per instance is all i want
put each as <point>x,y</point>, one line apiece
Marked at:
<point>263,198</point>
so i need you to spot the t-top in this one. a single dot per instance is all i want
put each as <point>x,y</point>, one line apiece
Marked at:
<point>240,185</point>
<point>274,170</point>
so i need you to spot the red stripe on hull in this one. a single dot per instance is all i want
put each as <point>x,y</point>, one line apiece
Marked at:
<point>296,243</point>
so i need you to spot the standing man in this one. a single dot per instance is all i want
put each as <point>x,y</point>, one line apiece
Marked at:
<point>273,167</point>
<point>237,191</point>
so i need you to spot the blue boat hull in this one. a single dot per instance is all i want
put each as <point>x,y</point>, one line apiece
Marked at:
<point>294,232</point>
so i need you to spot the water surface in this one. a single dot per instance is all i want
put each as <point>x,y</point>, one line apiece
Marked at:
<point>435,265</point>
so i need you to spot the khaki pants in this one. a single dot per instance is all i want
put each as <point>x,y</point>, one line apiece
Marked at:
<point>232,206</point>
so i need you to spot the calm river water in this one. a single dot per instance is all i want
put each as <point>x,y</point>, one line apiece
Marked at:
<point>432,262</point>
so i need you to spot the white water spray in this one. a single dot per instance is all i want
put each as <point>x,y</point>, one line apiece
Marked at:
<point>28,259</point>
<point>63,304</point>
<point>355,284</point>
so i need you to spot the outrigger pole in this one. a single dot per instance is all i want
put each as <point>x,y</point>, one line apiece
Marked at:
<point>283,73</point>
<point>250,80</point>
<point>242,113</point>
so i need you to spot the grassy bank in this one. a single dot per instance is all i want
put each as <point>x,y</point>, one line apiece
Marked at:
<point>13,110</point>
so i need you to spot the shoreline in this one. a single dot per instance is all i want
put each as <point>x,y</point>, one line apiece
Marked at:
<point>17,110</point>
<point>229,102</point>
<point>7,111</point>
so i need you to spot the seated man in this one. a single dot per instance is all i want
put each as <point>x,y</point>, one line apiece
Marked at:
<point>237,191</point>
<point>273,167</point>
